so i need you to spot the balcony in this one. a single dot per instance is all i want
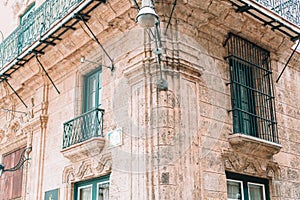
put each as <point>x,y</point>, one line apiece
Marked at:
<point>43,27</point>
<point>288,9</point>
<point>280,15</point>
<point>35,26</point>
<point>83,135</point>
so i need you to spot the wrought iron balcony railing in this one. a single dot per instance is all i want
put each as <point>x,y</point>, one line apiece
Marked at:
<point>288,9</point>
<point>83,127</point>
<point>33,27</point>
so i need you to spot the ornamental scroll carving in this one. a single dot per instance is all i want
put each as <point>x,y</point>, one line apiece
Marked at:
<point>245,164</point>
<point>87,169</point>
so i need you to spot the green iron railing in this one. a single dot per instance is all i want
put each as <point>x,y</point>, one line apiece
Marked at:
<point>41,20</point>
<point>83,127</point>
<point>288,9</point>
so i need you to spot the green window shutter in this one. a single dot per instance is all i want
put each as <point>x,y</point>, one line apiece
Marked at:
<point>93,90</point>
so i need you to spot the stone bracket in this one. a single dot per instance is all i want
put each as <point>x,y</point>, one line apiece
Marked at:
<point>253,146</point>
<point>84,150</point>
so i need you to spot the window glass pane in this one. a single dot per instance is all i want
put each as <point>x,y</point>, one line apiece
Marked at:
<point>99,87</point>
<point>93,91</point>
<point>256,192</point>
<point>103,191</point>
<point>234,190</point>
<point>85,193</point>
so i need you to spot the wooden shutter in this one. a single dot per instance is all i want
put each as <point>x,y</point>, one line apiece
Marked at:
<point>11,182</point>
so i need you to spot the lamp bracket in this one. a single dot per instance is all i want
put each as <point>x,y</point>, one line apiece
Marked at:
<point>23,158</point>
<point>83,60</point>
<point>9,110</point>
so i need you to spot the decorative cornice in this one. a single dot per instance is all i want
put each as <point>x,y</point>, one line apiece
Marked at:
<point>12,144</point>
<point>89,168</point>
<point>250,165</point>
<point>149,67</point>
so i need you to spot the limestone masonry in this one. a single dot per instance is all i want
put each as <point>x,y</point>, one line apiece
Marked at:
<point>223,128</point>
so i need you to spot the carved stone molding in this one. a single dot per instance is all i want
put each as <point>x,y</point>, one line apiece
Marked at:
<point>250,165</point>
<point>2,134</point>
<point>32,125</point>
<point>68,174</point>
<point>253,146</point>
<point>89,148</point>
<point>89,168</point>
<point>85,170</point>
<point>13,127</point>
<point>105,163</point>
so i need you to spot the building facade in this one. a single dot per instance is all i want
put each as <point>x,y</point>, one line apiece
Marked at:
<point>195,109</point>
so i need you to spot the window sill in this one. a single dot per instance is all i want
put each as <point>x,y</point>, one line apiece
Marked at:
<point>83,150</point>
<point>254,146</point>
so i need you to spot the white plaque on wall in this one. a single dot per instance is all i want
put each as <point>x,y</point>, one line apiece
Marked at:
<point>115,137</point>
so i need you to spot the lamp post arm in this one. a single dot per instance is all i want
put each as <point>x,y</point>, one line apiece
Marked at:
<point>22,160</point>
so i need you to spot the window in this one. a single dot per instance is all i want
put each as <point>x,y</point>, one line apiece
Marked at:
<point>11,182</point>
<point>95,189</point>
<point>252,96</point>
<point>90,123</point>
<point>93,88</point>
<point>242,187</point>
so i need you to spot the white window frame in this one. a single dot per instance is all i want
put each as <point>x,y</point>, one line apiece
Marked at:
<point>82,187</point>
<point>258,184</point>
<point>101,183</point>
<point>242,189</point>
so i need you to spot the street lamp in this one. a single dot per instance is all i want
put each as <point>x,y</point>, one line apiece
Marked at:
<point>23,158</point>
<point>147,18</point>
<point>147,15</point>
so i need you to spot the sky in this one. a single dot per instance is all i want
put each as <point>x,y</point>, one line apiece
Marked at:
<point>8,22</point>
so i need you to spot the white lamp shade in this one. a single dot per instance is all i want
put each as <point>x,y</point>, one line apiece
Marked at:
<point>147,17</point>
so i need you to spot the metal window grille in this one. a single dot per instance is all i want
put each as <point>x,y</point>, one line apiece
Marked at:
<point>252,96</point>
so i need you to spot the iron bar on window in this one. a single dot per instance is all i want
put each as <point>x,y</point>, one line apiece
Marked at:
<point>253,102</point>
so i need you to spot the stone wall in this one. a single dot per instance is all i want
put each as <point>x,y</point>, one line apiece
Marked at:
<point>175,142</point>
